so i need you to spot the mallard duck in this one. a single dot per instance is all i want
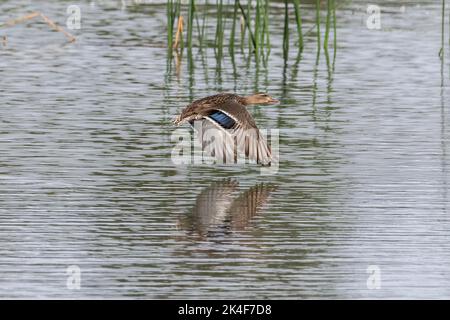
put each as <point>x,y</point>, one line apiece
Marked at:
<point>227,112</point>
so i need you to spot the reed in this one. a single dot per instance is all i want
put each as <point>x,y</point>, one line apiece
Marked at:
<point>233,30</point>
<point>298,19</point>
<point>243,28</point>
<point>318,25</point>
<point>249,9</point>
<point>170,22</point>
<point>190,25</point>
<point>286,31</point>
<point>333,3</point>
<point>254,26</point>
<point>327,26</point>
<point>246,21</point>
<point>219,30</point>
<point>205,19</point>
<point>266,26</point>
<point>179,34</point>
<point>257,30</point>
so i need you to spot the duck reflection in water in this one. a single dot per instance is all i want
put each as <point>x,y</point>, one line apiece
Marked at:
<point>220,209</point>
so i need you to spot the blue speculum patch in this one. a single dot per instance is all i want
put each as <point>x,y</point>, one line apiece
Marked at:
<point>222,119</point>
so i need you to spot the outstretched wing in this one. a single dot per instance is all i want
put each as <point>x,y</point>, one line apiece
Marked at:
<point>228,130</point>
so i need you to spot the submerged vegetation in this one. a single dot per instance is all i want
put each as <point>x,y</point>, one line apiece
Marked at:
<point>254,31</point>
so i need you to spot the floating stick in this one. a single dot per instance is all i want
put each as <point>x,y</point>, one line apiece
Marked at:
<point>53,25</point>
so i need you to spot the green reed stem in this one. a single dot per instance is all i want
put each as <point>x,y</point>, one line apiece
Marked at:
<point>205,19</point>
<point>334,30</point>
<point>169,23</point>
<point>243,28</point>
<point>172,11</point>
<point>249,9</point>
<point>298,19</point>
<point>286,31</point>
<point>219,30</point>
<point>257,30</point>
<point>266,26</point>
<point>327,25</point>
<point>191,12</point>
<point>247,23</point>
<point>177,13</point>
<point>199,33</point>
<point>263,30</point>
<point>233,29</point>
<point>318,24</point>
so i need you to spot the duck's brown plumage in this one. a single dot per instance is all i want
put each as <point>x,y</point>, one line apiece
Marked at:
<point>241,130</point>
<point>203,106</point>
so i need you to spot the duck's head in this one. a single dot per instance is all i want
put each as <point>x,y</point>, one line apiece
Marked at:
<point>260,99</point>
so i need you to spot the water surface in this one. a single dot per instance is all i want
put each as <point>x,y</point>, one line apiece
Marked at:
<point>86,177</point>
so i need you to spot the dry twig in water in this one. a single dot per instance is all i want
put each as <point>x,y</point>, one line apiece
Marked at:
<point>53,25</point>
